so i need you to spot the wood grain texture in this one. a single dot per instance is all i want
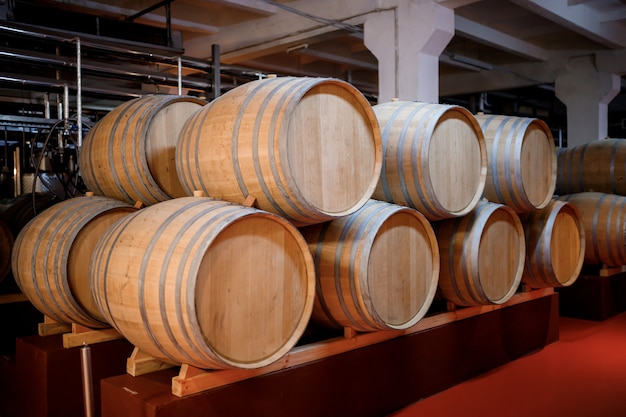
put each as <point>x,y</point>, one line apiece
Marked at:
<point>604,221</point>
<point>377,269</point>
<point>205,282</point>
<point>434,158</point>
<point>482,255</point>
<point>130,153</point>
<point>521,161</point>
<point>51,256</point>
<point>555,245</point>
<point>308,149</point>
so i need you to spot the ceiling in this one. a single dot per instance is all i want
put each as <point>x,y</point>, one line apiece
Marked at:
<point>504,52</point>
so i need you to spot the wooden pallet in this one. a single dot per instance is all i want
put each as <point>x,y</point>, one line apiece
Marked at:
<point>192,380</point>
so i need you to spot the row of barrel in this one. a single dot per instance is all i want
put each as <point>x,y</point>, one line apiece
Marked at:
<point>217,285</point>
<point>362,214</point>
<point>593,176</point>
<point>313,149</point>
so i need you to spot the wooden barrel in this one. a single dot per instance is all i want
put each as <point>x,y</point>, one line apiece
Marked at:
<point>597,166</point>
<point>308,149</point>
<point>434,158</point>
<point>204,282</point>
<point>6,246</point>
<point>604,221</point>
<point>482,255</point>
<point>521,161</point>
<point>50,259</point>
<point>17,212</point>
<point>555,245</point>
<point>130,153</point>
<point>376,269</point>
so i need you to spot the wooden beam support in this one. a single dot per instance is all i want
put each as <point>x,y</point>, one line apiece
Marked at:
<point>192,380</point>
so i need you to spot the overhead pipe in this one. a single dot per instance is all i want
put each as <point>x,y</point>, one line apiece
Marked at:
<point>127,48</point>
<point>79,95</point>
<point>54,85</point>
<point>108,71</point>
<point>168,17</point>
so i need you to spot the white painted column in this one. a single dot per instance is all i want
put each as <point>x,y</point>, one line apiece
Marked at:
<point>587,93</point>
<point>407,41</point>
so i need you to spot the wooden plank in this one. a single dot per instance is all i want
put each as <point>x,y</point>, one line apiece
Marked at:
<point>50,326</point>
<point>192,380</point>
<point>607,271</point>
<point>141,363</point>
<point>250,201</point>
<point>12,298</point>
<point>81,335</point>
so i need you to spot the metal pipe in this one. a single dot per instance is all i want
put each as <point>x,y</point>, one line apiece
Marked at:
<point>85,356</point>
<point>46,99</point>
<point>51,84</point>
<point>66,103</point>
<point>180,77</point>
<point>168,22</point>
<point>217,80</point>
<point>147,10</point>
<point>17,173</point>
<point>107,70</point>
<point>127,48</point>
<point>59,108</point>
<point>79,95</point>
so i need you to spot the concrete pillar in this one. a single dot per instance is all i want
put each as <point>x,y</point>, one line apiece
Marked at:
<point>586,92</point>
<point>407,41</point>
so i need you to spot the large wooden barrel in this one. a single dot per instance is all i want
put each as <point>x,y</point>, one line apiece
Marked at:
<point>204,282</point>
<point>6,246</point>
<point>521,161</point>
<point>482,255</point>
<point>130,153</point>
<point>17,212</point>
<point>50,259</point>
<point>434,158</point>
<point>555,245</point>
<point>597,166</point>
<point>308,149</point>
<point>376,269</point>
<point>604,220</point>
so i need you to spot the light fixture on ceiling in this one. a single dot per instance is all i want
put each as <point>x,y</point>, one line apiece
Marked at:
<point>297,47</point>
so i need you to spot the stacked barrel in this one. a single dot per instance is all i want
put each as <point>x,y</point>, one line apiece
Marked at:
<point>522,176</point>
<point>290,201</point>
<point>591,177</point>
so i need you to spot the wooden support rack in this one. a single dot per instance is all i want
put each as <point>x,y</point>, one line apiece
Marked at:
<point>76,335</point>
<point>192,380</point>
<point>608,271</point>
<point>81,335</point>
<point>12,298</point>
